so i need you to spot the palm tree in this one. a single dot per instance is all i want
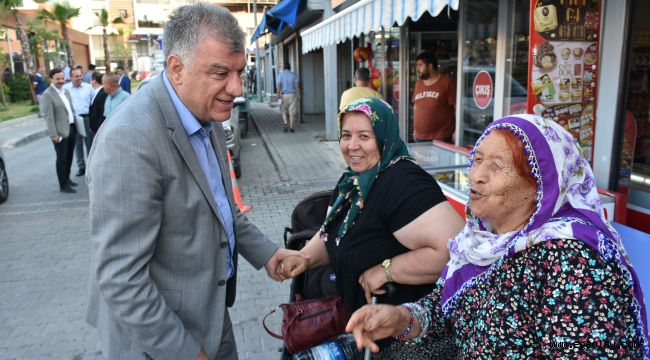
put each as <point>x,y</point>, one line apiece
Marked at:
<point>11,5</point>
<point>61,13</point>
<point>104,23</point>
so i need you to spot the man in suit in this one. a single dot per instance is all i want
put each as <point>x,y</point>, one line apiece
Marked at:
<point>165,231</point>
<point>81,95</point>
<point>96,113</point>
<point>60,119</point>
<point>125,82</point>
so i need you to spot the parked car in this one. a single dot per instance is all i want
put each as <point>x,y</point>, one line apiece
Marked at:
<point>4,180</point>
<point>231,128</point>
<point>243,105</point>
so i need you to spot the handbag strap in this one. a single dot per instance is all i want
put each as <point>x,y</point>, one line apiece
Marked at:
<point>279,337</point>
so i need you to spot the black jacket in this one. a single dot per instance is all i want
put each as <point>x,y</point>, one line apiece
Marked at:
<point>96,112</point>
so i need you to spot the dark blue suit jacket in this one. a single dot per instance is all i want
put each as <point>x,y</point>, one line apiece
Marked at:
<point>125,83</point>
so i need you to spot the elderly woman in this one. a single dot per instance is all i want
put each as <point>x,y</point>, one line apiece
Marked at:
<point>537,272</point>
<point>388,221</point>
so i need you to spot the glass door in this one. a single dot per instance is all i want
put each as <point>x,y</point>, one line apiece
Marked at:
<point>493,78</point>
<point>478,33</point>
<point>636,150</point>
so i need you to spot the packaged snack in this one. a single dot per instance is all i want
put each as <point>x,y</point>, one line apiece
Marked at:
<point>545,18</point>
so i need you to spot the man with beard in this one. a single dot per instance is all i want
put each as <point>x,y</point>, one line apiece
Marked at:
<point>434,101</point>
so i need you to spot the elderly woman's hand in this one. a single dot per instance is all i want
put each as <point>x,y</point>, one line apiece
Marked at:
<point>371,281</point>
<point>375,322</point>
<point>292,266</point>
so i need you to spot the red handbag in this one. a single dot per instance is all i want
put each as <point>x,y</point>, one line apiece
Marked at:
<point>311,322</point>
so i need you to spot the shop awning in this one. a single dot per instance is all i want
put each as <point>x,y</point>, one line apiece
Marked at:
<point>366,16</point>
<point>275,19</point>
<point>260,30</point>
<point>286,11</point>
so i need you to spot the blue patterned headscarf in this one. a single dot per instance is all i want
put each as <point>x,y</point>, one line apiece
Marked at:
<point>354,187</point>
<point>567,207</point>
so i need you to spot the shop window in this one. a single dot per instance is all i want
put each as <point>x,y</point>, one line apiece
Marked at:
<point>638,105</point>
<point>479,56</point>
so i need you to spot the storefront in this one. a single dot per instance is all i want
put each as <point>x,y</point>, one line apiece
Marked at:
<point>556,58</point>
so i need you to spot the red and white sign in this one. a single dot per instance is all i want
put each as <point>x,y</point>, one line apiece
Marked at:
<point>483,89</point>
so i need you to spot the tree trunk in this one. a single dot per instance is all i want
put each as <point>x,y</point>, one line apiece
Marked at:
<point>4,98</point>
<point>68,47</point>
<point>24,44</point>
<point>107,54</point>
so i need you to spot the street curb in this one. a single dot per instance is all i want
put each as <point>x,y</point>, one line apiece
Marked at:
<point>273,154</point>
<point>23,140</point>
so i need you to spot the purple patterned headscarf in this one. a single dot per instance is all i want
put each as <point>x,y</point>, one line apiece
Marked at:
<point>567,207</point>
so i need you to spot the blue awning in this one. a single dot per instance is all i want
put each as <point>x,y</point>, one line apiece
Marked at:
<point>286,11</point>
<point>261,29</point>
<point>274,20</point>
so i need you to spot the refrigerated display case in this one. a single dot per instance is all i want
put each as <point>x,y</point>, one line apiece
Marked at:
<point>448,165</point>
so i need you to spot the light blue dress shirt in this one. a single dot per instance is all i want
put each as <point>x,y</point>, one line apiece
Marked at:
<point>199,135</point>
<point>114,100</point>
<point>287,80</point>
<point>82,97</point>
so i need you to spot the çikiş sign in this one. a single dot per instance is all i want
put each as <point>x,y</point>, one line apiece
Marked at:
<point>483,89</point>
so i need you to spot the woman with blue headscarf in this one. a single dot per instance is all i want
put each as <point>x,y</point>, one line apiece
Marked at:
<point>537,272</point>
<point>388,222</point>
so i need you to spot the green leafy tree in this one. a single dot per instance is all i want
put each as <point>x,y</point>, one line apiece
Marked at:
<point>61,13</point>
<point>105,22</point>
<point>121,49</point>
<point>11,6</point>
<point>40,39</point>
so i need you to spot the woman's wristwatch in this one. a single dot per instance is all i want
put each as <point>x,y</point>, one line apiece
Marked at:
<point>385,265</point>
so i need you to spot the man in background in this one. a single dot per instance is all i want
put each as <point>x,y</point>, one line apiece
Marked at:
<point>96,113</point>
<point>124,81</point>
<point>289,90</point>
<point>39,85</point>
<point>60,120</point>
<point>115,94</point>
<point>434,100</point>
<point>81,94</point>
<point>88,74</point>
<point>360,90</point>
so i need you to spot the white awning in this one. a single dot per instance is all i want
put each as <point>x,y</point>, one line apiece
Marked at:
<point>366,16</point>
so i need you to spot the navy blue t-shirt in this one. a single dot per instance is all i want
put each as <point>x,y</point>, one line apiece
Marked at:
<point>41,86</point>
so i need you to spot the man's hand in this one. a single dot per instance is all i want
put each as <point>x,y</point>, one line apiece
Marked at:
<point>291,266</point>
<point>272,265</point>
<point>371,281</point>
<point>56,139</point>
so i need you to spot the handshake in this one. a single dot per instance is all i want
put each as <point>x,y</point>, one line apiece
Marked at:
<point>286,264</point>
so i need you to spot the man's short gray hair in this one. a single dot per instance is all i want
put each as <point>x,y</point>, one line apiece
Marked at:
<point>111,78</point>
<point>188,24</point>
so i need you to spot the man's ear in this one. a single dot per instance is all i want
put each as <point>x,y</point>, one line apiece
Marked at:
<point>175,69</point>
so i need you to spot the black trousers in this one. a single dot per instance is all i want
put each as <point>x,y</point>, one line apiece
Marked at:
<point>64,152</point>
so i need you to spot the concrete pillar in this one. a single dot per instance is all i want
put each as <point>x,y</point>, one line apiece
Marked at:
<point>331,93</point>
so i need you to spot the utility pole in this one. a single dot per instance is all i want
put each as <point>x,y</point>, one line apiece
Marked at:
<point>257,56</point>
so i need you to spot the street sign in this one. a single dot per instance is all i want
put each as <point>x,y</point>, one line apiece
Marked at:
<point>483,89</point>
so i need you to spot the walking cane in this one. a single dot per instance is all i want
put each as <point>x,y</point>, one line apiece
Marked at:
<point>390,291</point>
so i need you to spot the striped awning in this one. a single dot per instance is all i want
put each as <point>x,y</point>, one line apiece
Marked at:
<point>366,16</point>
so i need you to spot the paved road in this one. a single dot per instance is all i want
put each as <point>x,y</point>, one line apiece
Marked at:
<point>44,244</point>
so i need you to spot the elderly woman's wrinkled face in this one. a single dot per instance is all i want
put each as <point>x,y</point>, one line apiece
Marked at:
<point>498,192</point>
<point>358,143</point>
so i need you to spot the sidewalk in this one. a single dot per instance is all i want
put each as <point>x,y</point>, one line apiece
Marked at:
<point>308,145</point>
<point>22,130</point>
